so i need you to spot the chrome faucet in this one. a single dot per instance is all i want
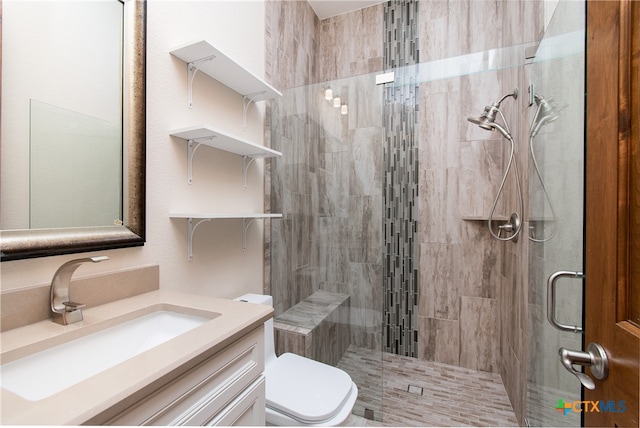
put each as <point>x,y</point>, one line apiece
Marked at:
<point>64,310</point>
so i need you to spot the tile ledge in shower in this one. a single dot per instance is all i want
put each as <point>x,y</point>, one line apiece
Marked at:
<point>483,218</point>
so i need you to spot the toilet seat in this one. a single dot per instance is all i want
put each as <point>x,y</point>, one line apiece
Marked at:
<point>307,391</point>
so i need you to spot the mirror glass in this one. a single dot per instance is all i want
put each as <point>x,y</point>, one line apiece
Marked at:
<point>72,126</point>
<point>75,173</point>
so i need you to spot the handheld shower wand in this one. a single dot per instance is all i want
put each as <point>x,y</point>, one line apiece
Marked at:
<point>547,111</point>
<point>487,120</point>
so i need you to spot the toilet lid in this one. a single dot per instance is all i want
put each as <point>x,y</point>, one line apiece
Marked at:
<point>305,389</point>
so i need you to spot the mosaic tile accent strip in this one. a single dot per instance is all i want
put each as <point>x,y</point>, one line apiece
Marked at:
<point>400,187</point>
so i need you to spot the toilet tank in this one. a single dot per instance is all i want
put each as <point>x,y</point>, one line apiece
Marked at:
<point>260,299</point>
<point>269,342</point>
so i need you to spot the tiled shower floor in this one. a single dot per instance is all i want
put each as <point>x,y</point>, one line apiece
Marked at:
<point>439,395</point>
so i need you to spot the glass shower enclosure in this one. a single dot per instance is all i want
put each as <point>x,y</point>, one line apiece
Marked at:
<point>337,250</point>
<point>326,252</point>
<point>556,199</point>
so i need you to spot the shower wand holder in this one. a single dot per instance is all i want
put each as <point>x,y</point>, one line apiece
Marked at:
<point>511,226</point>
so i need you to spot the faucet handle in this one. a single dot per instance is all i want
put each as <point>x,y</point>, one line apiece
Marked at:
<point>72,306</point>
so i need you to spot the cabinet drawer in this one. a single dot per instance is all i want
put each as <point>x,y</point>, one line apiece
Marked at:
<point>248,409</point>
<point>210,385</point>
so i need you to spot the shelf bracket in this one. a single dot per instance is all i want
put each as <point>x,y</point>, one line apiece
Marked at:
<point>192,147</point>
<point>246,222</point>
<point>193,68</point>
<point>246,102</point>
<point>246,161</point>
<point>191,228</point>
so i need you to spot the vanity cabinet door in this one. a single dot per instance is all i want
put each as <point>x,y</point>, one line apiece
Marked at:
<point>246,410</point>
<point>204,390</point>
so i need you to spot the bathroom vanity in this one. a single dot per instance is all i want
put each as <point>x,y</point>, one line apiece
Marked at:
<point>208,372</point>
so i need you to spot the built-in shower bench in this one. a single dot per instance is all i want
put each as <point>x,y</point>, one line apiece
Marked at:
<point>317,327</point>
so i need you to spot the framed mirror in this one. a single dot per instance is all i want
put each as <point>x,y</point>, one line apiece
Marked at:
<point>123,203</point>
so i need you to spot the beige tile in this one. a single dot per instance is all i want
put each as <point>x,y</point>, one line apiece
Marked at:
<point>359,34</point>
<point>478,261</point>
<point>296,340</point>
<point>438,281</point>
<point>439,340</point>
<point>479,334</point>
<point>480,176</point>
<point>451,396</point>
<point>439,220</point>
<point>317,327</point>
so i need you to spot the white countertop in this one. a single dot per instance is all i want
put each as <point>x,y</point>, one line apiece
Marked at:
<point>86,399</point>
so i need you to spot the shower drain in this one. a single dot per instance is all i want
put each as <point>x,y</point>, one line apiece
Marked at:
<point>416,390</point>
<point>368,414</point>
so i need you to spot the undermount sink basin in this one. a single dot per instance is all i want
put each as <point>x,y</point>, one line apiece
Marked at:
<point>45,373</point>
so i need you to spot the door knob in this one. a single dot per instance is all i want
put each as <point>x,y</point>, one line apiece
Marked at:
<point>595,358</point>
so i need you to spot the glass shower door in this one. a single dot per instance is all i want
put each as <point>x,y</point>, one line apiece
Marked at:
<point>556,198</point>
<point>328,243</point>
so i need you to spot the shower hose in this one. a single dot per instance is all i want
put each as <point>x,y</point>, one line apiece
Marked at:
<point>507,227</point>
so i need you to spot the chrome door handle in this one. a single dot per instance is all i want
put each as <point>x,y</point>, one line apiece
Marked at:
<point>595,358</point>
<point>551,300</point>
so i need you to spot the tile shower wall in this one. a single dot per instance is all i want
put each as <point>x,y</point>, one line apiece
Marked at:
<point>472,310</point>
<point>472,290</point>
<point>350,44</point>
<point>291,39</point>
<point>401,170</point>
<point>327,183</point>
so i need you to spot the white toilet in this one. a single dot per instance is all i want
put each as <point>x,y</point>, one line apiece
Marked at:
<point>301,391</point>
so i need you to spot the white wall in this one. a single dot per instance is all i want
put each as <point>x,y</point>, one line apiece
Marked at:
<point>220,267</point>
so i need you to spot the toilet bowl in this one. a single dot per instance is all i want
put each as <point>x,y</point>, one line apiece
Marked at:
<point>301,391</point>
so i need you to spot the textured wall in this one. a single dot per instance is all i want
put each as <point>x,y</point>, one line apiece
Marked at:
<point>291,43</point>
<point>350,44</point>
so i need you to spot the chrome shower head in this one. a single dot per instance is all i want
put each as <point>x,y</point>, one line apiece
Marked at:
<point>487,120</point>
<point>548,111</point>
